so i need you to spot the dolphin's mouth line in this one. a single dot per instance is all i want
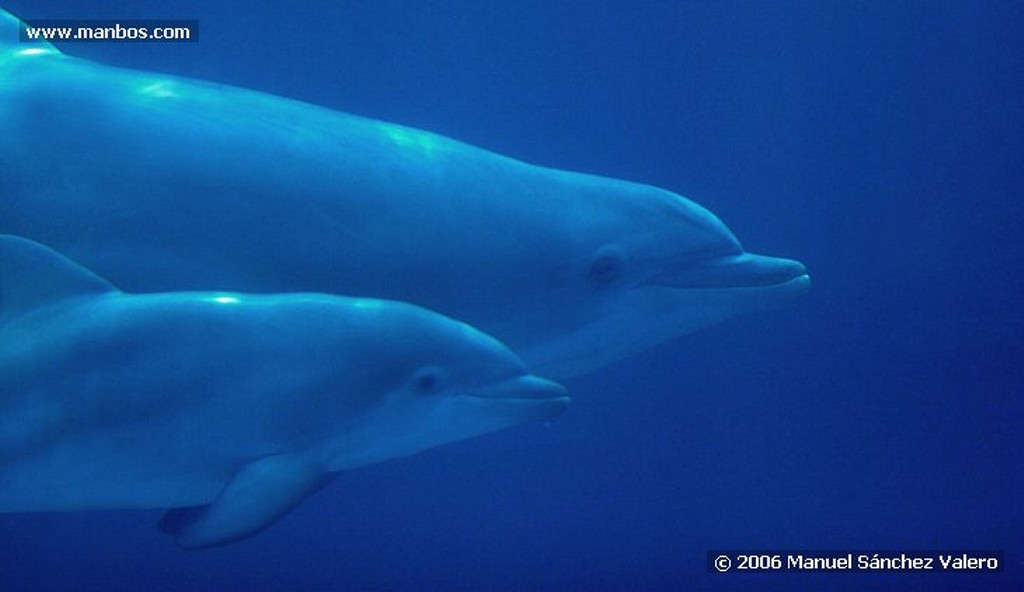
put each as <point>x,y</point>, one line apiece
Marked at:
<point>802,278</point>
<point>564,399</point>
<point>744,270</point>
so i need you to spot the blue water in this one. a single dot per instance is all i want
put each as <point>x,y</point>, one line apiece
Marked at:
<point>882,144</point>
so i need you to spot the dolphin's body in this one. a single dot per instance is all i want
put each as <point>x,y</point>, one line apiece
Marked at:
<point>246,403</point>
<point>160,183</point>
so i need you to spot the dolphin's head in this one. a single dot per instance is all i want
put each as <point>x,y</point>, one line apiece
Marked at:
<point>646,265</point>
<point>437,380</point>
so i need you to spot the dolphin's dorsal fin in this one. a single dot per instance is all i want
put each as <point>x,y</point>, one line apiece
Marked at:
<point>10,37</point>
<point>258,495</point>
<point>33,275</point>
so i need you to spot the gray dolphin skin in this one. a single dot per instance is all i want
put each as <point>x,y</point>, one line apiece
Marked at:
<point>242,404</point>
<point>161,183</point>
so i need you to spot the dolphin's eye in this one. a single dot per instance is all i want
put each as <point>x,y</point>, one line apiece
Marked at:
<point>426,380</point>
<point>607,267</point>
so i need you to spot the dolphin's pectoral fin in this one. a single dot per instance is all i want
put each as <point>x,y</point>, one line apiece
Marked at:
<point>175,520</point>
<point>261,493</point>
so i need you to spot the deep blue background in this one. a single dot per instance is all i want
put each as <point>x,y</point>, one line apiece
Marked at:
<point>881,143</point>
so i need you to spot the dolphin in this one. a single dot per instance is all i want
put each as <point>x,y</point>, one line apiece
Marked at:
<point>161,183</point>
<point>230,408</point>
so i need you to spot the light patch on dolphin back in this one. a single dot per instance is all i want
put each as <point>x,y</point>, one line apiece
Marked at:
<point>409,138</point>
<point>35,51</point>
<point>160,89</point>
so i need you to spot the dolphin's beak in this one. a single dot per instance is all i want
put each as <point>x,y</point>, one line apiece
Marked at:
<point>524,398</point>
<point>743,270</point>
<point>527,386</point>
